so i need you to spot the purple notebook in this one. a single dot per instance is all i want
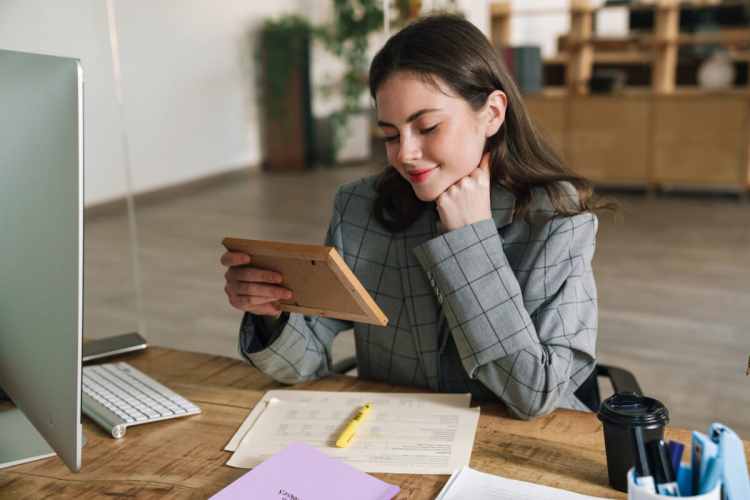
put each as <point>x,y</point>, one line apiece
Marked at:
<point>300,471</point>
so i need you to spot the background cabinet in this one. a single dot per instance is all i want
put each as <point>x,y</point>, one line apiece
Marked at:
<point>652,132</point>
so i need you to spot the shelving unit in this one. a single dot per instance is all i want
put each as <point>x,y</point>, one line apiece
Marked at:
<point>500,19</point>
<point>657,135</point>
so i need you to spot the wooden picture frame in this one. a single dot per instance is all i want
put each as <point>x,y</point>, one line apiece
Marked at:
<point>321,282</point>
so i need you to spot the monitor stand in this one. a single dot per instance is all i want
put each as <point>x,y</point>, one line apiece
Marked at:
<point>20,442</point>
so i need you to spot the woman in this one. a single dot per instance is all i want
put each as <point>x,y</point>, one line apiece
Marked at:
<point>476,241</point>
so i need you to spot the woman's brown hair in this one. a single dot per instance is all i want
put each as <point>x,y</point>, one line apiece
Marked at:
<point>448,52</point>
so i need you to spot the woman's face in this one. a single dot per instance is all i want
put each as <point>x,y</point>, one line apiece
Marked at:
<point>432,139</point>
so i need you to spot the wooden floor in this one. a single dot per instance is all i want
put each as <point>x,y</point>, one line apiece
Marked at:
<point>673,280</point>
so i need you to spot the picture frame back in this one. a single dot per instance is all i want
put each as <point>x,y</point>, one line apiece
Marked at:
<point>321,282</point>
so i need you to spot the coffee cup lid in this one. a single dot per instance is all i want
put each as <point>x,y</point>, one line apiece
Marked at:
<point>627,409</point>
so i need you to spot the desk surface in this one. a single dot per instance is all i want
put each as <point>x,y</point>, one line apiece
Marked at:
<point>184,457</point>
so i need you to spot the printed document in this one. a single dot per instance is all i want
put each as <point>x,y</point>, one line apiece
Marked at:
<point>381,399</point>
<point>417,438</point>
<point>469,483</point>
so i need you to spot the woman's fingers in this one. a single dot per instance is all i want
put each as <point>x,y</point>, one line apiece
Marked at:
<point>229,259</point>
<point>252,274</point>
<point>257,289</point>
<point>468,200</point>
<point>482,172</point>
<point>256,305</point>
<point>245,285</point>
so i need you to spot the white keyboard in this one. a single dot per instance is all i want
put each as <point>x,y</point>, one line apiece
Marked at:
<point>116,396</point>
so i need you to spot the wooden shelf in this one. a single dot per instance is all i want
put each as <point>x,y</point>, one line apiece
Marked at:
<point>681,5</point>
<point>647,135</point>
<point>500,23</point>
<point>606,58</point>
<point>725,37</point>
<point>697,91</point>
<point>556,59</point>
<point>622,58</point>
<point>553,11</point>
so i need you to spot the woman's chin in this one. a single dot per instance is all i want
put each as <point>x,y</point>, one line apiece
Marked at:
<point>426,195</point>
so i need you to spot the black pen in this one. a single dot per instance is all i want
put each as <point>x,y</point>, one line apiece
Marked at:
<point>661,466</point>
<point>642,476</point>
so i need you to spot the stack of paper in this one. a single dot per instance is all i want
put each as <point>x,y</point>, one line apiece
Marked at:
<point>468,483</point>
<point>299,471</point>
<point>404,433</point>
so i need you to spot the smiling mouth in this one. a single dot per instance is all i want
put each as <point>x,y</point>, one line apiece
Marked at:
<point>421,175</point>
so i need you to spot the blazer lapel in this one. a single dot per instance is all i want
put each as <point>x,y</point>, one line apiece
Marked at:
<point>421,302</point>
<point>419,295</point>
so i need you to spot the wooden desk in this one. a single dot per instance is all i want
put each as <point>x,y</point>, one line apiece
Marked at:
<point>184,457</point>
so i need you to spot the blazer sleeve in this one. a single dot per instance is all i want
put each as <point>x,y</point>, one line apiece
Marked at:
<point>302,351</point>
<point>533,346</point>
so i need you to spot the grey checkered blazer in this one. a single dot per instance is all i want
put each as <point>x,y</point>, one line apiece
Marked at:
<point>498,308</point>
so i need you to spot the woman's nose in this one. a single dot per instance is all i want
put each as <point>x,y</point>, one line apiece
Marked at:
<point>409,151</point>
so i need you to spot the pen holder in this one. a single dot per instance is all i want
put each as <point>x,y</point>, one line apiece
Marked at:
<point>683,481</point>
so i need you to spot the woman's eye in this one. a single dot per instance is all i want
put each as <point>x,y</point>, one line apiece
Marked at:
<point>390,138</point>
<point>428,130</point>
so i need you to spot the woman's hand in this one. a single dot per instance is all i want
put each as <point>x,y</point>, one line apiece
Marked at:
<point>246,286</point>
<point>467,201</point>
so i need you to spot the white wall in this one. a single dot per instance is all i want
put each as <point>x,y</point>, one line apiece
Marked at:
<point>186,65</point>
<point>188,77</point>
<point>76,28</point>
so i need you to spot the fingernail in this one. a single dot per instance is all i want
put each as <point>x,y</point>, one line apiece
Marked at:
<point>277,277</point>
<point>288,295</point>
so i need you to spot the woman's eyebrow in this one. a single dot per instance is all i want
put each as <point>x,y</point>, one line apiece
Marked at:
<point>411,118</point>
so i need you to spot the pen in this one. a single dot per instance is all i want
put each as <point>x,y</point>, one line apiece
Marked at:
<point>345,438</point>
<point>642,476</point>
<point>661,465</point>
<point>675,451</point>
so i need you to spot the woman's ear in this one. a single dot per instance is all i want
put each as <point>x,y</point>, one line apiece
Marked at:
<point>497,103</point>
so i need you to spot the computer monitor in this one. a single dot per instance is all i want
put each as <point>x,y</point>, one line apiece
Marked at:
<point>41,256</point>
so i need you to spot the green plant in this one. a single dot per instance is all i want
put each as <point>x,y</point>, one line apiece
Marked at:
<point>286,39</point>
<point>353,21</point>
<point>283,49</point>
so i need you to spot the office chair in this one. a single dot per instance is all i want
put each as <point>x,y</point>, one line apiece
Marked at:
<point>587,392</point>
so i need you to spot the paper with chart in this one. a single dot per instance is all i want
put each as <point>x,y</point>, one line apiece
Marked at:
<point>382,399</point>
<point>428,439</point>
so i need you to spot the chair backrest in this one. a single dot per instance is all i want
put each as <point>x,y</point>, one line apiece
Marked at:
<point>621,380</point>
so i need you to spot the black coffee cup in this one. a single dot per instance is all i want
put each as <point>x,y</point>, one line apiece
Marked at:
<point>619,414</point>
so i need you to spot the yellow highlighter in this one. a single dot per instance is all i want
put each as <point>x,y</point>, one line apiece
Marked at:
<point>346,437</point>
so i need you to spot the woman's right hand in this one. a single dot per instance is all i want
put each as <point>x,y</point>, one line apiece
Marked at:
<point>247,286</point>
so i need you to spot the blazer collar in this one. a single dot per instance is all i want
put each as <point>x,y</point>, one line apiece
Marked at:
<point>502,203</point>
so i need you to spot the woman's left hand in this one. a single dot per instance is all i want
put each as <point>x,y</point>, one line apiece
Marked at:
<point>467,201</point>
